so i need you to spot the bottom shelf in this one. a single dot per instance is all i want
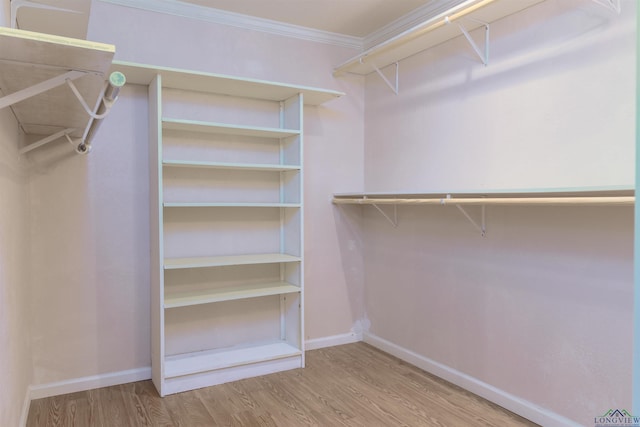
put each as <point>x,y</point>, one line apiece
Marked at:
<point>204,361</point>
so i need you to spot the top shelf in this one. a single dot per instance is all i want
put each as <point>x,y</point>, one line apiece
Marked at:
<point>33,71</point>
<point>221,84</point>
<point>432,32</point>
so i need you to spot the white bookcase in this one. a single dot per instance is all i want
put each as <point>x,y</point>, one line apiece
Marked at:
<point>226,225</point>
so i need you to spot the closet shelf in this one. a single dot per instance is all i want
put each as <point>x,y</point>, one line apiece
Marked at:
<point>226,129</point>
<point>35,70</point>
<point>221,261</point>
<point>204,361</point>
<point>230,205</point>
<point>471,14</point>
<point>609,197</point>
<point>557,201</point>
<point>195,297</point>
<point>173,78</point>
<point>232,166</point>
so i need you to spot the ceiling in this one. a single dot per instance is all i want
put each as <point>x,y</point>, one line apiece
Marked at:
<point>357,18</point>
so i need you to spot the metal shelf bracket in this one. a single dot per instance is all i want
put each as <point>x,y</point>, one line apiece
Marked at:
<point>106,99</point>
<point>38,88</point>
<point>613,5</point>
<point>480,227</point>
<point>394,220</point>
<point>392,86</point>
<point>484,56</point>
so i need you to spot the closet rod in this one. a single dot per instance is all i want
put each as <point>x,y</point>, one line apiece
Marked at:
<point>576,201</point>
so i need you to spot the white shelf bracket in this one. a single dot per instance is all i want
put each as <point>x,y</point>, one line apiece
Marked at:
<point>48,139</point>
<point>484,56</point>
<point>480,227</point>
<point>613,5</point>
<point>394,220</point>
<point>39,88</point>
<point>392,86</point>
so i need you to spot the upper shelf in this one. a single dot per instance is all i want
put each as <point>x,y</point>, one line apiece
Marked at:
<point>221,84</point>
<point>613,197</point>
<point>432,32</point>
<point>34,68</point>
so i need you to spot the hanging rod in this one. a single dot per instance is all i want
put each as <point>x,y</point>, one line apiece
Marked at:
<point>535,200</point>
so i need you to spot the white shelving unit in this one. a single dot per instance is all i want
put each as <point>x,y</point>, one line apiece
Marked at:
<point>226,225</point>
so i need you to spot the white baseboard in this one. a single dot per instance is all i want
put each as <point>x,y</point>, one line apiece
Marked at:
<point>26,404</point>
<point>508,401</point>
<point>87,383</point>
<point>333,340</point>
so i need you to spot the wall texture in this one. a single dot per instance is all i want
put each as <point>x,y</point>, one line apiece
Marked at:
<point>90,214</point>
<point>535,308</point>
<point>15,358</point>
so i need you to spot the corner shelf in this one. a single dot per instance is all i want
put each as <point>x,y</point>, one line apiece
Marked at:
<point>35,68</point>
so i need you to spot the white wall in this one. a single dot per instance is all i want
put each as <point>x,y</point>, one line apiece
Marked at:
<point>90,250</point>
<point>541,308</point>
<point>90,233</point>
<point>554,107</point>
<point>15,362</point>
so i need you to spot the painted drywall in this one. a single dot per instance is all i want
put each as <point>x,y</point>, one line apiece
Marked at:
<point>553,108</point>
<point>15,357</point>
<point>90,232</point>
<point>541,308</point>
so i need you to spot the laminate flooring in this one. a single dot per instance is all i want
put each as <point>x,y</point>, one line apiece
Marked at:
<point>348,385</point>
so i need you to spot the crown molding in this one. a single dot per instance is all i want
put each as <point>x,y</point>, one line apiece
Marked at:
<point>417,16</point>
<point>217,16</point>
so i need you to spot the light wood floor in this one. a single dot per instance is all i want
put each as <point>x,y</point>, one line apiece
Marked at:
<point>349,385</point>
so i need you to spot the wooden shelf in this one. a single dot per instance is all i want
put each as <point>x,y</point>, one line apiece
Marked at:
<point>432,32</point>
<point>221,261</point>
<point>559,198</point>
<point>196,297</point>
<point>29,59</point>
<point>231,166</point>
<point>204,361</point>
<point>221,84</point>
<point>230,205</point>
<point>226,129</point>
